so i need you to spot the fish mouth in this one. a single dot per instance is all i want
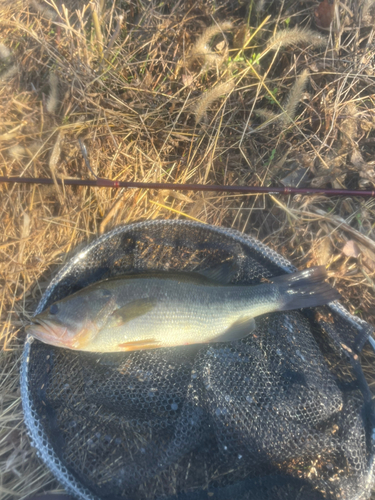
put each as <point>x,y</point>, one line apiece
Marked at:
<point>49,333</point>
<point>58,335</point>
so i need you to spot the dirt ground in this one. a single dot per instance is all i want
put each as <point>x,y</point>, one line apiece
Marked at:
<point>246,93</point>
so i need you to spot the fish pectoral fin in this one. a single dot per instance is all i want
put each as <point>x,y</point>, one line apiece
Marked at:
<point>238,330</point>
<point>136,345</point>
<point>130,311</point>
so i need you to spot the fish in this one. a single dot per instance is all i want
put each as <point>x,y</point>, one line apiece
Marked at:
<point>162,309</point>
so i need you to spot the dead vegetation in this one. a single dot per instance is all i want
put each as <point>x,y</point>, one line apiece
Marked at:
<point>178,92</point>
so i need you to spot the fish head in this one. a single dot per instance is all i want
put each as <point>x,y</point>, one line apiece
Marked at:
<point>74,321</point>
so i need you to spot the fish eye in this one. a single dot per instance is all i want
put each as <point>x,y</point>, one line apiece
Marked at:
<point>54,309</point>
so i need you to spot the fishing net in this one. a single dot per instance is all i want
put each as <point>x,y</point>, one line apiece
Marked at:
<point>284,413</point>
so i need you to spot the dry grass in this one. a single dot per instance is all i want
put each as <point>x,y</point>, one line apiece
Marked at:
<point>125,78</point>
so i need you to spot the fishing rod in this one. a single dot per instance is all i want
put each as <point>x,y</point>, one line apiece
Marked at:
<point>107,183</point>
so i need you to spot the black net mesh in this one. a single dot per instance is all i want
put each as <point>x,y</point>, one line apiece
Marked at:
<point>279,414</point>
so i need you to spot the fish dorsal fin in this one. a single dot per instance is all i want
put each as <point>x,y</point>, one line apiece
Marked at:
<point>130,311</point>
<point>222,273</point>
<point>238,330</point>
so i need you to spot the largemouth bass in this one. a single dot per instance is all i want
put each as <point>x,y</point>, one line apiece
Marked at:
<point>146,311</point>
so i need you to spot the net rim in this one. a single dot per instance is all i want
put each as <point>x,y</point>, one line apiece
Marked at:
<point>38,437</point>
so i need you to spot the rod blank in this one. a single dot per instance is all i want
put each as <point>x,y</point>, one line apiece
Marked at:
<point>107,183</point>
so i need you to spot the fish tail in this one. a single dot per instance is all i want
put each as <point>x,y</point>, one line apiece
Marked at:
<point>306,288</point>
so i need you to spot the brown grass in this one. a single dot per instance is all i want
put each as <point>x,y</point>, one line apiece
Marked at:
<point>120,78</point>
